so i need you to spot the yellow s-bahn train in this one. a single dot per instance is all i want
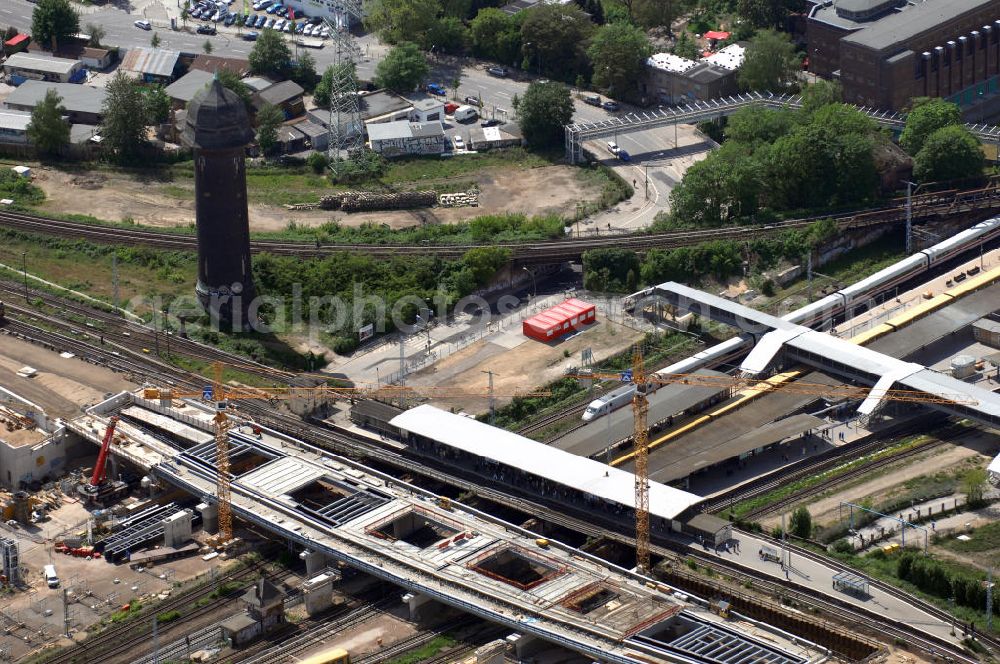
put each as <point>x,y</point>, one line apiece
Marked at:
<point>332,656</point>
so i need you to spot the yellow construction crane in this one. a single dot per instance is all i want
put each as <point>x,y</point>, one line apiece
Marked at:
<point>640,406</point>
<point>221,394</point>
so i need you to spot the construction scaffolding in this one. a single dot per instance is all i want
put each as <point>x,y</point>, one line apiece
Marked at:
<point>346,131</point>
<point>10,558</point>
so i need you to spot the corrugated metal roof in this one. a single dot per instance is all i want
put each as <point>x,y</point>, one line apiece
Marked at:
<point>75,98</point>
<point>559,314</point>
<point>14,120</point>
<point>188,85</point>
<point>43,63</point>
<point>155,62</point>
<point>510,449</point>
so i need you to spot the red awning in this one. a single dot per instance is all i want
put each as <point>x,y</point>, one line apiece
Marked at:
<point>16,39</point>
<point>707,54</point>
<point>716,34</point>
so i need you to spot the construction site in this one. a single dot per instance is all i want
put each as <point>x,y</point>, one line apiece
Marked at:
<point>799,479</point>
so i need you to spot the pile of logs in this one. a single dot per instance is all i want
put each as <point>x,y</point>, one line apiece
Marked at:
<point>358,201</point>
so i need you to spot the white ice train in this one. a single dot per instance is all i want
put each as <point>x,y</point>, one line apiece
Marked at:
<point>613,400</point>
<point>834,304</point>
<point>856,294</point>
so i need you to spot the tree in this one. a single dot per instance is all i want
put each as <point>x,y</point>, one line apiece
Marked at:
<point>950,153</point>
<point>543,111</point>
<point>124,126</point>
<point>97,33</point>
<point>184,16</point>
<point>154,41</point>
<point>756,125</point>
<point>496,35</point>
<point>304,72</point>
<point>925,118</point>
<point>53,21</point>
<point>447,35</point>
<point>269,119</point>
<point>762,13</point>
<point>207,47</point>
<point>801,523</point>
<point>618,56</point>
<point>48,131</point>
<point>270,55</point>
<point>398,21</point>
<point>724,187</point>
<point>231,81</point>
<point>157,104</point>
<point>974,484</point>
<point>554,38</point>
<point>686,48</point>
<point>819,94</point>
<point>333,73</point>
<point>657,13</point>
<point>402,69</point>
<point>770,63</point>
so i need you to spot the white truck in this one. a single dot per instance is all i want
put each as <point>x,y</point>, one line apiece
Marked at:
<point>465,113</point>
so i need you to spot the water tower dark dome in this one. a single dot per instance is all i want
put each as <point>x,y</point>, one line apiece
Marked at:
<point>217,118</point>
<point>218,130</point>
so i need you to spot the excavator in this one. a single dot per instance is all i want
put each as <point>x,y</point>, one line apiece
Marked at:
<point>101,490</point>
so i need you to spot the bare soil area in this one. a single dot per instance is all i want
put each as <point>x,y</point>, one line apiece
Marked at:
<point>152,202</point>
<point>520,364</point>
<point>62,385</point>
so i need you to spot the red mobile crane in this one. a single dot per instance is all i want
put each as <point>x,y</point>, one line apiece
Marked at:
<point>100,489</point>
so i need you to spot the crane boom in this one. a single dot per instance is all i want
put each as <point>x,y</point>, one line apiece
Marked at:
<point>102,458</point>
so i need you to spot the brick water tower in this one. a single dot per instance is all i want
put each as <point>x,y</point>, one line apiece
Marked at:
<point>218,129</point>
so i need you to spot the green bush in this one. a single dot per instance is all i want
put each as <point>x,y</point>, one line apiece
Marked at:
<point>168,616</point>
<point>318,162</point>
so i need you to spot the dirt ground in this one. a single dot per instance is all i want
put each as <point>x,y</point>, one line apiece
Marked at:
<point>62,385</point>
<point>825,510</point>
<point>519,363</point>
<point>115,197</point>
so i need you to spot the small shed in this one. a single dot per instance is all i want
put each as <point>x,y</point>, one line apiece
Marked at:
<point>566,317</point>
<point>708,528</point>
<point>291,139</point>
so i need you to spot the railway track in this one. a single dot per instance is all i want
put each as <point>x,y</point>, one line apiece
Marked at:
<point>590,525</point>
<point>924,207</point>
<point>121,639</point>
<point>808,468</point>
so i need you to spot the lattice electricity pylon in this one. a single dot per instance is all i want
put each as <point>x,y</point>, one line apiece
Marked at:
<point>345,131</point>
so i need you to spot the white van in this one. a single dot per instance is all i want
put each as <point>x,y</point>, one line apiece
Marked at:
<point>464,113</point>
<point>51,577</point>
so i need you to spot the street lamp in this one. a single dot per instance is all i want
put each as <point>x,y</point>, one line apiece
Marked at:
<point>534,291</point>
<point>24,271</point>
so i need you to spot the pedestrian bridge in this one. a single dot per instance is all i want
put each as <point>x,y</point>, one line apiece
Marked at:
<point>579,132</point>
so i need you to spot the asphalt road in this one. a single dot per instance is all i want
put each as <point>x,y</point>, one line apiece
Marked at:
<point>654,148</point>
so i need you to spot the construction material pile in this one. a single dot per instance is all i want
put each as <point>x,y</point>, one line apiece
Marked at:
<point>364,201</point>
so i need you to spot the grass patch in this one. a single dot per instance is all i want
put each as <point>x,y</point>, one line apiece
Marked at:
<point>168,616</point>
<point>983,539</point>
<point>430,649</point>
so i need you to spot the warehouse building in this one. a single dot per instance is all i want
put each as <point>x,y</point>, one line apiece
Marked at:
<point>886,52</point>
<point>153,65</point>
<point>671,79</point>
<point>394,139</point>
<point>34,66</point>
<point>83,103</point>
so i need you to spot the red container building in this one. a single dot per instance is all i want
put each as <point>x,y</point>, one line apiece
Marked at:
<point>559,320</point>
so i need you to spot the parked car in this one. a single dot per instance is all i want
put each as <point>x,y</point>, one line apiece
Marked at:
<point>308,30</point>
<point>593,100</point>
<point>450,107</point>
<point>272,9</point>
<point>316,20</point>
<point>499,72</point>
<point>324,32</point>
<point>613,148</point>
<point>270,23</point>
<point>492,122</point>
<point>624,156</point>
<point>300,29</point>
<point>249,20</point>
<point>279,24</point>
<point>230,20</point>
<point>290,27</point>
<point>206,29</point>
<point>144,25</point>
<point>474,101</point>
<point>611,106</point>
<point>459,143</point>
<point>465,114</point>
<point>261,21</point>
<point>436,89</point>
<point>251,36</point>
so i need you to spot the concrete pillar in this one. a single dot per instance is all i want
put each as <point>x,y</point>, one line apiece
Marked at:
<point>318,593</point>
<point>491,653</point>
<point>415,602</point>
<point>209,517</point>
<point>524,645</point>
<point>315,561</point>
<point>177,529</point>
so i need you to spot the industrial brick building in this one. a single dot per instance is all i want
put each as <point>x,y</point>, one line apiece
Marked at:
<point>886,52</point>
